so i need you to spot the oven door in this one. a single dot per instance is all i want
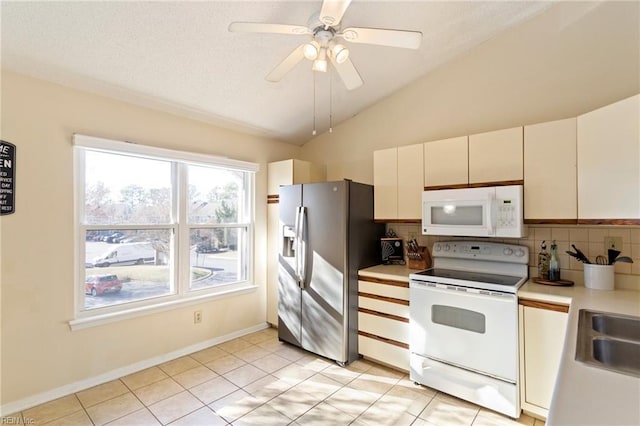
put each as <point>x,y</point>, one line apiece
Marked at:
<point>469,328</point>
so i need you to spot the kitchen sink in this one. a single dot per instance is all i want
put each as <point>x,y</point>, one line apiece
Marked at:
<point>617,326</point>
<point>609,341</point>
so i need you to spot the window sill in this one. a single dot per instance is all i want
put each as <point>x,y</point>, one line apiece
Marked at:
<point>102,319</point>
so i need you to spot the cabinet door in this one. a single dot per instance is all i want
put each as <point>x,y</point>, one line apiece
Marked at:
<point>410,181</point>
<point>385,182</point>
<point>609,161</point>
<point>550,171</point>
<point>542,333</point>
<point>279,173</point>
<point>446,162</point>
<point>496,156</point>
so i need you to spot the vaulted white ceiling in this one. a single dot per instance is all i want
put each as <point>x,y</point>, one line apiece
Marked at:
<point>179,56</point>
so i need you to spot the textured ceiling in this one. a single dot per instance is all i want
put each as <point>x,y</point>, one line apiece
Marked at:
<point>179,56</point>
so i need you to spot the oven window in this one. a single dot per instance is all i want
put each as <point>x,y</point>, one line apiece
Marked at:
<point>450,214</point>
<point>458,318</point>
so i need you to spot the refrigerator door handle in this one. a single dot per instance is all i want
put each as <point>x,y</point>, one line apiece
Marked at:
<point>297,245</point>
<point>302,254</point>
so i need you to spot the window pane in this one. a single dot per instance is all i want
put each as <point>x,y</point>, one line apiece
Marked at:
<point>126,265</point>
<point>217,256</point>
<point>121,189</point>
<point>215,195</point>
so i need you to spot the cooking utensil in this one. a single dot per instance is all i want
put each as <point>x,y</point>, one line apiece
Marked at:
<point>624,259</point>
<point>573,254</point>
<point>582,257</point>
<point>613,255</point>
<point>601,260</point>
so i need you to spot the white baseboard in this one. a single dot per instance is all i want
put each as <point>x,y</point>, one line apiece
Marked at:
<point>50,395</point>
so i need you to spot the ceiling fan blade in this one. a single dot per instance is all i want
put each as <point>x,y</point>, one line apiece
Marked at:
<point>258,27</point>
<point>379,36</point>
<point>348,73</point>
<point>285,66</point>
<point>332,11</point>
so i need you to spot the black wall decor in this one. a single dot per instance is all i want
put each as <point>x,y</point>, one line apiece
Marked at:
<point>7,177</point>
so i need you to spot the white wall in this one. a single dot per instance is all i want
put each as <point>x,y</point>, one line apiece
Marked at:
<point>39,352</point>
<point>569,60</point>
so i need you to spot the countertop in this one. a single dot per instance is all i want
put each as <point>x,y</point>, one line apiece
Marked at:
<point>586,395</point>
<point>583,395</point>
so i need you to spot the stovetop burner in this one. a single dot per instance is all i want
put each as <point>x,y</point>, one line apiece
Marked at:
<point>504,280</point>
<point>477,264</point>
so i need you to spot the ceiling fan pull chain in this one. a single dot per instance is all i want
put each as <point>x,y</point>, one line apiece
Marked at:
<point>330,100</point>
<point>313,133</point>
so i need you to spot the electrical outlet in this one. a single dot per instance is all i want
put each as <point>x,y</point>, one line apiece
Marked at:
<point>197,317</point>
<point>613,243</point>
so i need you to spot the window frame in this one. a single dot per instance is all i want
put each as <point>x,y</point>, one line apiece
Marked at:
<point>178,223</point>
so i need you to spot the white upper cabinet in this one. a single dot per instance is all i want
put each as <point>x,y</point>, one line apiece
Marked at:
<point>550,191</point>
<point>410,181</point>
<point>496,156</point>
<point>289,172</point>
<point>398,183</point>
<point>446,162</point>
<point>609,161</point>
<point>385,182</point>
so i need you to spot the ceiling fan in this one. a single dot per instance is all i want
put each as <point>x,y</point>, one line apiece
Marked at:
<point>326,34</point>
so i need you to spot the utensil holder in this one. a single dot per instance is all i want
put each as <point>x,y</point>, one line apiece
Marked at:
<point>599,277</point>
<point>421,264</point>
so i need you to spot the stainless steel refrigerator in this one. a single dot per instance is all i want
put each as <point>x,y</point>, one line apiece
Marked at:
<point>327,233</point>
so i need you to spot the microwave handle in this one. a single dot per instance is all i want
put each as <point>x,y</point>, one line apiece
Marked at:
<point>491,201</point>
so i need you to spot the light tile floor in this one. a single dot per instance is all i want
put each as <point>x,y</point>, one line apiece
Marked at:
<point>257,380</point>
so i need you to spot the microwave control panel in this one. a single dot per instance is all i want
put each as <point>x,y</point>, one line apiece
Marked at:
<point>507,214</point>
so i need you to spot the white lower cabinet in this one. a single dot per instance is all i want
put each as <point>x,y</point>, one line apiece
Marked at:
<point>542,333</point>
<point>383,321</point>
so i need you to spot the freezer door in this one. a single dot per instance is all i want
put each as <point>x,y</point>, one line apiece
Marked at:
<point>289,293</point>
<point>324,301</point>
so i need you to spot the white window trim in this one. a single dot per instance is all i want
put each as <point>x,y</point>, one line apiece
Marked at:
<point>108,314</point>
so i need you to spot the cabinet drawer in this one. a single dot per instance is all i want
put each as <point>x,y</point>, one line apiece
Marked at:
<point>384,352</point>
<point>375,304</point>
<point>389,290</point>
<point>385,327</point>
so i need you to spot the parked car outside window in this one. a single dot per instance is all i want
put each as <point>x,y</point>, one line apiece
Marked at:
<point>100,284</point>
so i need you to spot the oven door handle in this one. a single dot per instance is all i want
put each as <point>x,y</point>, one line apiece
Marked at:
<point>470,292</point>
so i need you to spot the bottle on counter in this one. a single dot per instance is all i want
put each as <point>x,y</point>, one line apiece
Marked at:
<point>543,262</point>
<point>554,266</point>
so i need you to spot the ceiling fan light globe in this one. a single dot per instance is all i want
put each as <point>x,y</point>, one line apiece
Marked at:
<point>311,50</point>
<point>320,65</point>
<point>340,53</point>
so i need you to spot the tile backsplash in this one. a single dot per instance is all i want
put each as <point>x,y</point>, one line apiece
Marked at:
<point>589,239</point>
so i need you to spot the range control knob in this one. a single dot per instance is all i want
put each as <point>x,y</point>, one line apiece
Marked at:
<point>519,253</point>
<point>507,251</point>
<point>446,247</point>
<point>436,247</point>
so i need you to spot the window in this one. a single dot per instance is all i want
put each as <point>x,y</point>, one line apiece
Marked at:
<point>157,226</point>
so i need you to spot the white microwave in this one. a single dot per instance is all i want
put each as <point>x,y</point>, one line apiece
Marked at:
<point>495,211</point>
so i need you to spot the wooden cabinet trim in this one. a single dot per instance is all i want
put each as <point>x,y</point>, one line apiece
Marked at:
<point>544,305</point>
<point>384,339</point>
<point>476,185</point>
<point>608,221</point>
<point>551,221</point>
<point>384,298</point>
<point>383,315</point>
<point>398,220</point>
<point>384,281</point>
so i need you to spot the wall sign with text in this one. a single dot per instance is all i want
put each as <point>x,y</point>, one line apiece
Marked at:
<point>7,177</point>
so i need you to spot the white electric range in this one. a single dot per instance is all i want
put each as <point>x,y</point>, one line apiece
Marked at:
<point>464,322</point>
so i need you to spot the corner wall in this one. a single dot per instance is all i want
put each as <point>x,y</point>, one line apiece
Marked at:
<point>39,351</point>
